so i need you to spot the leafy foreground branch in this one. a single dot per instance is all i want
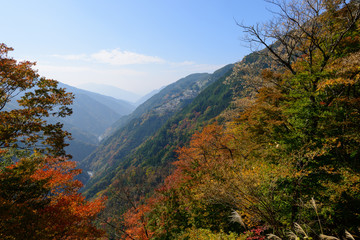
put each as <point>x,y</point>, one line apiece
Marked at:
<point>39,198</point>
<point>26,102</point>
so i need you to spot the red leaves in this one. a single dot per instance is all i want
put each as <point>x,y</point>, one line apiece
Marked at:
<point>40,194</point>
<point>136,221</point>
<point>178,202</point>
<point>59,174</point>
<point>72,215</point>
<point>206,150</point>
<point>40,98</point>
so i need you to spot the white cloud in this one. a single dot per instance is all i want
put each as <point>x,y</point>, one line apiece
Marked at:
<point>114,57</point>
<point>127,70</point>
<point>75,69</point>
<point>128,79</point>
<point>117,57</point>
<point>52,68</point>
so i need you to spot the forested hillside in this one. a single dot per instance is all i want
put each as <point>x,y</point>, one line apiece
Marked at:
<point>117,153</point>
<point>281,162</point>
<point>266,148</point>
<point>92,114</point>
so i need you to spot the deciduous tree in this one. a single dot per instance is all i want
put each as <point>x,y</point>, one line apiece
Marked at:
<point>39,199</point>
<point>26,101</point>
<point>309,107</point>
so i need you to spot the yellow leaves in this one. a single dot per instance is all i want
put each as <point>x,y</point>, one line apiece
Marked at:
<point>3,151</point>
<point>335,82</point>
<point>349,183</point>
<point>206,234</point>
<point>344,71</point>
<point>41,98</point>
<point>4,50</point>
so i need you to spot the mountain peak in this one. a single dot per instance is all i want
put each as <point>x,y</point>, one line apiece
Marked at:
<point>111,91</point>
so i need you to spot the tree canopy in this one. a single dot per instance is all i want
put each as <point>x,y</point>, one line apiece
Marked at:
<point>26,102</point>
<point>288,163</point>
<point>39,197</point>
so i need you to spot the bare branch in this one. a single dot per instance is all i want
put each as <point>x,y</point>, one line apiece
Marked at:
<point>303,29</point>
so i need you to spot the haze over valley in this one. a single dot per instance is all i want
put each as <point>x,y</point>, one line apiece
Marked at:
<point>186,119</point>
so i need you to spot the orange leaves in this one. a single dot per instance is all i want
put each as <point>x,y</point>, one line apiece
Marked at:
<point>179,201</point>
<point>209,143</point>
<point>42,196</point>
<point>38,195</point>
<point>73,215</point>
<point>136,221</point>
<point>344,72</point>
<point>40,98</point>
<point>336,81</point>
<point>207,152</point>
<point>59,174</point>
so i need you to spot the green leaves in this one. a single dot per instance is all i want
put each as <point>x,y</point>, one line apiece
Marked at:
<point>38,98</point>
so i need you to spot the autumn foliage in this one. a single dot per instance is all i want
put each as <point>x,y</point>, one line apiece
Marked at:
<point>40,200</point>
<point>287,162</point>
<point>136,221</point>
<point>39,197</point>
<point>26,101</point>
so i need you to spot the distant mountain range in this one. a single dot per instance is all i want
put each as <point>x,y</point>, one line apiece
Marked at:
<point>147,96</point>
<point>111,91</point>
<point>137,139</point>
<point>138,150</point>
<point>92,114</point>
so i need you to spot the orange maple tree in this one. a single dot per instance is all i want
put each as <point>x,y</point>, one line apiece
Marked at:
<point>39,199</point>
<point>136,221</point>
<point>177,204</point>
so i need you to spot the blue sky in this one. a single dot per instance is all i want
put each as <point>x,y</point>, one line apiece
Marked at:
<point>136,45</point>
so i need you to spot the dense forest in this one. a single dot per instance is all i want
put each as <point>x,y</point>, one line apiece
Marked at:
<point>267,148</point>
<point>285,162</point>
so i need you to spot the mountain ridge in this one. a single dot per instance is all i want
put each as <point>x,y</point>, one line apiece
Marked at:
<point>144,122</point>
<point>111,91</point>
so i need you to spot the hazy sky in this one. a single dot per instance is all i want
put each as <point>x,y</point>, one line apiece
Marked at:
<point>136,45</point>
